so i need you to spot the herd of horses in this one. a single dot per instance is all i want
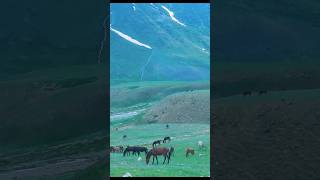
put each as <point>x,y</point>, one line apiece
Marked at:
<point>155,151</point>
<point>249,93</point>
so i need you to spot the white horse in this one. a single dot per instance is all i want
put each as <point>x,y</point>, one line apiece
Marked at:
<point>201,145</point>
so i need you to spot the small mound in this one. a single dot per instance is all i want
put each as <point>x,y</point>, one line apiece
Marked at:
<point>185,107</point>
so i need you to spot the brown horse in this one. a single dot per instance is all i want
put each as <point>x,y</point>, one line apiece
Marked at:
<point>189,150</point>
<point>116,149</point>
<point>159,151</point>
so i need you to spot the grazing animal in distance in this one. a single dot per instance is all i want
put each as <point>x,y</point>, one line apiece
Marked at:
<point>262,92</point>
<point>155,152</point>
<point>201,145</point>
<point>120,148</point>
<point>116,149</point>
<point>247,93</point>
<point>167,126</point>
<point>166,139</point>
<point>111,149</point>
<point>124,136</point>
<point>134,150</point>
<point>189,151</point>
<point>156,142</point>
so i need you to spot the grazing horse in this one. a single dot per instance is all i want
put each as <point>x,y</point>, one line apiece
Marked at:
<point>156,142</point>
<point>116,149</point>
<point>166,139</point>
<point>134,150</point>
<point>201,145</point>
<point>189,150</point>
<point>247,93</point>
<point>155,152</point>
<point>262,92</point>
<point>111,149</point>
<point>124,136</point>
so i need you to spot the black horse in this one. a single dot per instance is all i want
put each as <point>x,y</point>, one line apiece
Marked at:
<point>166,139</point>
<point>156,142</point>
<point>134,150</point>
<point>262,92</point>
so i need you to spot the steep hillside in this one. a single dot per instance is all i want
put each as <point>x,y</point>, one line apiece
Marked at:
<point>270,46</point>
<point>183,107</point>
<point>170,42</point>
<point>270,136</point>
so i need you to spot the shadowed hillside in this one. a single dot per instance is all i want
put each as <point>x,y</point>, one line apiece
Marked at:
<point>52,90</point>
<point>272,47</point>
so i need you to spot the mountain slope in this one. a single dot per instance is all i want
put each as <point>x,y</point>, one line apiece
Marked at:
<point>178,38</point>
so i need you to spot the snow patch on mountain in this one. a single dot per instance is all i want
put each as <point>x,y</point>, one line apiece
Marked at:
<point>130,39</point>
<point>171,14</point>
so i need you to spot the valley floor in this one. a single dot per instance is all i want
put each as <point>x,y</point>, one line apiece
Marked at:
<point>131,120</point>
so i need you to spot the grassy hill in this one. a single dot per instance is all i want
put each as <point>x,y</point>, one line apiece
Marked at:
<point>44,106</point>
<point>267,136</point>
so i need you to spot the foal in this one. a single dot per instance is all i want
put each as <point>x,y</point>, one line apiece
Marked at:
<point>189,150</point>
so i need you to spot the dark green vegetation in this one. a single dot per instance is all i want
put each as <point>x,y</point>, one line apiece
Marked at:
<point>271,46</point>
<point>52,90</point>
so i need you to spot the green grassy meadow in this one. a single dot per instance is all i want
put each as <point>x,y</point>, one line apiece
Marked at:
<point>184,135</point>
<point>128,119</point>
